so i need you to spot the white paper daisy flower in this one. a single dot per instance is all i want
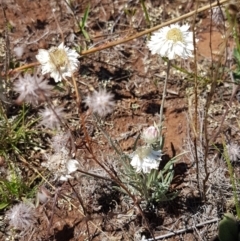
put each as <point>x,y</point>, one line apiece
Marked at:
<point>172,41</point>
<point>145,159</point>
<point>233,150</point>
<point>60,62</point>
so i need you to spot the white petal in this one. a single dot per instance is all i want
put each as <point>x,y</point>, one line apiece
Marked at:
<point>136,163</point>
<point>61,46</point>
<point>184,27</point>
<point>64,178</point>
<point>72,166</point>
<point>43,56</point>
<point>56,76</point>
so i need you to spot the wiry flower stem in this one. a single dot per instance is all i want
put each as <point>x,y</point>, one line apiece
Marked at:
<point>195,126</point>
<point>164,95</point>
<point>94,175</point>
<point>78,98</point>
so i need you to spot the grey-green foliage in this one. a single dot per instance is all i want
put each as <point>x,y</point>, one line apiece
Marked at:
<point>228,228</point>
<point>153,186</point>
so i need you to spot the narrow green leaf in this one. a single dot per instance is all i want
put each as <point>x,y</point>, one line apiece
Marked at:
<point>85,17</point>
<point>3,205</point>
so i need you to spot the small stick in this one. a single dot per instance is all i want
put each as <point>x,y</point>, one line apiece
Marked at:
<point>182,230</point>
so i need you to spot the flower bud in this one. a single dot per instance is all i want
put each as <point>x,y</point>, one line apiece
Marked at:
<point>150,134</point>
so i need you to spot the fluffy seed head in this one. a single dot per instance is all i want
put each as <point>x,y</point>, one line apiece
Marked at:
<point>19,50</point>
<point>233,150</point>
<point>32,89</point>
<point>22,216</point>
<point>51,118</point>
<point>100,102</point>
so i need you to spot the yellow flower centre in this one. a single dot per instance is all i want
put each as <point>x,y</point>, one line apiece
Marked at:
<point>59,57</point>
<point>175,35</point>
<point>143,152</point>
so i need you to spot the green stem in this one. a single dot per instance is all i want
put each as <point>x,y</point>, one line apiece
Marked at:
<point>145,13</point>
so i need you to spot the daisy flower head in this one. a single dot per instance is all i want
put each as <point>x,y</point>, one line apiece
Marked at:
<point>22,216</point>
<point>32,89</point>
<point>51,117</point>
<point>145,159</point>
<point>61,62</point>
<point>100,102</point>
<point>172,41</point>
